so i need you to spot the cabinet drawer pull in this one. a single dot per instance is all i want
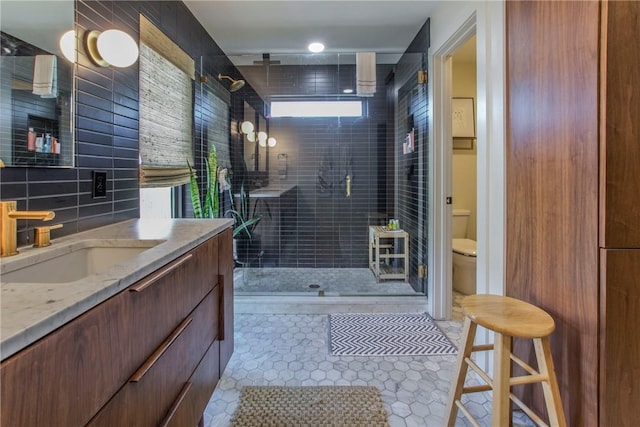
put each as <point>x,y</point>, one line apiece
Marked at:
<point>148,364</point>
<point>144,285</point>
<point>176,404</point>
<point>221,307</point>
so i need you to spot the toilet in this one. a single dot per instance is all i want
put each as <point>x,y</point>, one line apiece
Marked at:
<point>464,254</point>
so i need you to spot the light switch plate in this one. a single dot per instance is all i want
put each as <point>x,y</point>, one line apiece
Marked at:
<point>99,184</point>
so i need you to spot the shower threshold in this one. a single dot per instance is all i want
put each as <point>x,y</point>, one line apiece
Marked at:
<point>316,281</point>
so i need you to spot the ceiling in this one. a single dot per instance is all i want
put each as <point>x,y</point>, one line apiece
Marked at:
<point>245,30</point>
<point>256,27</point>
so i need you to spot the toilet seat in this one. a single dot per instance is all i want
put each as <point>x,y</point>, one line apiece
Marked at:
<point>466,247</point>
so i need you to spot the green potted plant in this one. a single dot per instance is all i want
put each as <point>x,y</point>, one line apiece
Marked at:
<point>247,244</point>
<point>244,223</point>
<point>210,206</point>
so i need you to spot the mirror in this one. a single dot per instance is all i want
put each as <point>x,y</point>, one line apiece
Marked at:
<point>36,84</point>
<point>250,152</point>
<point>262,146</point>
<point>255,152</point>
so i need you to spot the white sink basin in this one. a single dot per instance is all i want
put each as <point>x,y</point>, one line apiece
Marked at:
<point>72,262</point>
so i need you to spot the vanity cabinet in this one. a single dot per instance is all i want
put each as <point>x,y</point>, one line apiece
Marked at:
<point>146,356</point>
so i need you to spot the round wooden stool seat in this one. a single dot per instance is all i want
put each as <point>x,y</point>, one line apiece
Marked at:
<point>508,316</point>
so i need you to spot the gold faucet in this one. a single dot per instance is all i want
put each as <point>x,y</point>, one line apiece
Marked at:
<point>8,229</point>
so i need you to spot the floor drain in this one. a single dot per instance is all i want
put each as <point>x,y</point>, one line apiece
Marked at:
<point>314,286</point>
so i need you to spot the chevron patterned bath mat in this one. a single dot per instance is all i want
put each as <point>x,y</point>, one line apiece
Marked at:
<point>388,334</point>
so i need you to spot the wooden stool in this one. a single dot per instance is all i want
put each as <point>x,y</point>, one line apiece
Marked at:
<point>508,318</point>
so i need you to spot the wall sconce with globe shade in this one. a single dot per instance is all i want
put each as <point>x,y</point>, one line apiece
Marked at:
<point>247,128</point>
<point>68,45</point>
<point>111,47</point>
<point>262,138</point>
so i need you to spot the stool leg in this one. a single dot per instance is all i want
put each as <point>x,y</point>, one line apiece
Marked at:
<point>377,258</point>
<point>469,335</point>
<point>406,258</point>
<point>501,410</point>
<point>550,387</point>
<point>370,251</point>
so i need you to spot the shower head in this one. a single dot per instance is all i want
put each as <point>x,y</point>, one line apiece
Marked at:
<point>235,84</point>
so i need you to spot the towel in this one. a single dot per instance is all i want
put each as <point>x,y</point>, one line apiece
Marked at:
<point>45,76</point>
<point>224,184</point>
<point>366,73</point>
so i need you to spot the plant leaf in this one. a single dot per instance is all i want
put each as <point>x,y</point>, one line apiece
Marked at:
<point>195,192</point>
<point>246,227</point>
<point>212,182</point>
<point>266,206</point>
<point>208,203</point>
<point>244,202</point>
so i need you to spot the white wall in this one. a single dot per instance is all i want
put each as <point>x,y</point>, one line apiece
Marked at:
<point>464,162</point>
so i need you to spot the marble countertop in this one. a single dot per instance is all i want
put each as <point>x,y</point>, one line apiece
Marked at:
<point>29,311</point>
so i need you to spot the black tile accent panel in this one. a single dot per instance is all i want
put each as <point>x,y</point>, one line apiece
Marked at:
<point>413,174</point>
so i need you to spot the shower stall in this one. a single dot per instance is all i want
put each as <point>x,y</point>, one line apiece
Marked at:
<point>316,177</point>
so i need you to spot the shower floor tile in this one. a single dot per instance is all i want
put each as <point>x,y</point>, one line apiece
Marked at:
<point>342,281</point>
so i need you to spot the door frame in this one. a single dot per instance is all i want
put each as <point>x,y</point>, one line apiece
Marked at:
<point>486,20</point>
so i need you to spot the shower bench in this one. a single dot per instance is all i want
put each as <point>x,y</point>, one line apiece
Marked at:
<point>384,246</point>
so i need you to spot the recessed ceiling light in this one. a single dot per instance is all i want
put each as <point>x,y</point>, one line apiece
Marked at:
<point>347,91</point>
<point>316,47</point>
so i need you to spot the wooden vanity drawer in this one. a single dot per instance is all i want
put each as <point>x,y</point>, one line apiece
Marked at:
<point>66,377</point>
<point>157,383</point>
<point>160,301</point>
<point>195,394</point>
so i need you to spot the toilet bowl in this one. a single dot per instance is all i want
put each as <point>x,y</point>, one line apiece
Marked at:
<point>464,265</point>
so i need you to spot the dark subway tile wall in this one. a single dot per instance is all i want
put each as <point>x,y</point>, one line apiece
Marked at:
<point>106,123</point>
<point>413,174</point>
<point>319,226</point>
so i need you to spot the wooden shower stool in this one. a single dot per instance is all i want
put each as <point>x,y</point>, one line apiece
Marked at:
<point>381,247</point>
<point>508,318</point>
